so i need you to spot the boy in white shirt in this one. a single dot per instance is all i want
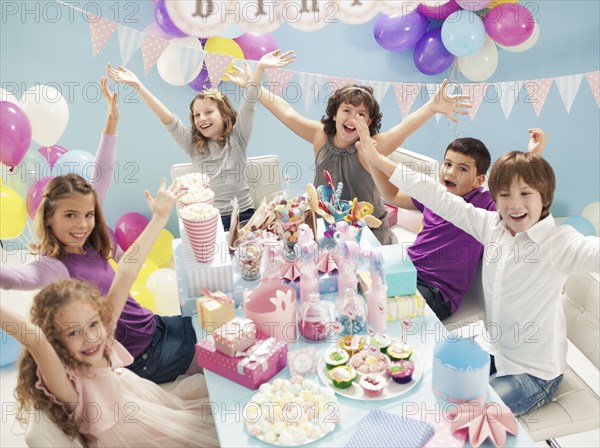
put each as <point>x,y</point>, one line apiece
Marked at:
<point>526,261</point>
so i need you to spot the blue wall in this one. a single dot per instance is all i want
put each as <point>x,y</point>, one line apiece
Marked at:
<point>45,43</point>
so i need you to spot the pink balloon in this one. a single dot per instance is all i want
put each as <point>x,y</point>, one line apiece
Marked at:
<point>35,195</point>
<point>15,134</point>
<point>473,5</point>
<point>509,24</point>
<point>438,11</point>
<point>52,153</point>
<point>256,45</point>
<point>129,227</point>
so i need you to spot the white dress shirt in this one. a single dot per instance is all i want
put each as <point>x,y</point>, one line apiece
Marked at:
<point>523,277</point>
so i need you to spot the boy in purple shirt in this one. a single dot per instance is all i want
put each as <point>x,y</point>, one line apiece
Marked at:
<point>445,257</point>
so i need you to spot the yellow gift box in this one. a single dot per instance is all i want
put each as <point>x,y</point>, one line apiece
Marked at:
<point>214,309</point>
<point>398,307</point>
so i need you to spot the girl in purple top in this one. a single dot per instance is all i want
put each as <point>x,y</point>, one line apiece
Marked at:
<point>74,243</point>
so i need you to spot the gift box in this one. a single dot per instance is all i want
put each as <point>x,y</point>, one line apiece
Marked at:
<point>398,307</point>
<point>392,214</point>
<point>255,366</point>
<point>214,309</point>
<point>400,272</point>
<point>235,336</point>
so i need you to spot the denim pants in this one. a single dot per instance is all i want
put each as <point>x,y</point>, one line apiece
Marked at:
<point>244,216</point>
<point>523,392</point>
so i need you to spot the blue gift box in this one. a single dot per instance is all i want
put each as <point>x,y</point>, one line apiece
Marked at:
<point>400,272</point>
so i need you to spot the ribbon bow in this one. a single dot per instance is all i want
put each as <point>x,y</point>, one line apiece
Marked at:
<point>328,261</point>
<point>256,354</point>
<point>290,270</point>
<point>485,420</point>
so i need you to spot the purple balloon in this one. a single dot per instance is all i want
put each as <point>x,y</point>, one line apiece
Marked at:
<point>202,81</point>
<point>438,11</point>
<point>113,239</point>
<point>129,227</point>
<point>509,24</point>
<point>397,33</point>
<point>430,55</point>
<point>255,46</point>
<point>52,153</point>
<point>164,21</point>
<point>15,134</point>
<point>35,195</point>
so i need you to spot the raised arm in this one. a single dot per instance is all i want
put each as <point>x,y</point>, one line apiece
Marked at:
<point>131,262</point>
<point>441,103</point>
<point>46,358</point>
<point>33,275</point>
<point>123,75</point>
<point>537,141</point>
<point>380,166</point>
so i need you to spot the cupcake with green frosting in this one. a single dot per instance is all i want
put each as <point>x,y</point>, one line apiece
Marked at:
<point>342,376</point>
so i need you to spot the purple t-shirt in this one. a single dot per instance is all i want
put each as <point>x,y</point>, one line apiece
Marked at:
<point>445,256</point>
<point>136,324</point>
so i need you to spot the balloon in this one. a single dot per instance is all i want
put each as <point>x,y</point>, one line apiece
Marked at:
<point>142,296</point>
<point>232,31</point>
<point>162,283</point>
<point>481,65</point>
<point>438,10</point>
<point>473,5</point>
<point>52,153</point>
<point>530,42</point>
<point>463,33</point>
<point>221,45</point>
<point>256,45</point>
<point>509,24</point>
<point>175,69</point>
<point>164,21</point>
<point>148,267</point>
<point>13,213</point>
<point>582,225</point>
<point>113,264</point>
<point>31,169</point>
<point>202,81</point>
<point>430,55</point>
<point>48,113</point>
<point>35,195</point>
<point>5,95</point>
<point>77,162</point>
<point>154,30</point>
<point>162,250</point>
<point>15,134</point>
<point>397,33</point>
<point>500,2</point>
<point>591,212</point>
<point>128,228</point>
<point>10,349</point>
<point>113,240</point>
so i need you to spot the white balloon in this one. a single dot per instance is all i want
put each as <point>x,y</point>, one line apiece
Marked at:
<point>48,113</point>
<point>162,283</point>
<point>296,15</point>
<point>402,7</point>
<point>530,42</point>
<point>181,61</point>
<point>7,96</point>
<point>356,13</point>
<point>591,212</point>
<point>481,65</point>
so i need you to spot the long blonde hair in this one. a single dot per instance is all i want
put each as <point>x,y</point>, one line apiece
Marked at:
<point>226,110</point>
<point>47,304</point>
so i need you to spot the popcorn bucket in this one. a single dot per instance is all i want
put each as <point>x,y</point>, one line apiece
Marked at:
<point>197,195</point>
<point>200,224</point>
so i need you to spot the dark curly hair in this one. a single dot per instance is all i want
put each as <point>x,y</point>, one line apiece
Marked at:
<point>355,95</point>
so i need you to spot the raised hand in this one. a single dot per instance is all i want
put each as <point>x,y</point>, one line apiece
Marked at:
<point>166,197</point>
<point>123,75</point>
<point>277,59</point>
<point>238,76</point>
<point>367,147</point>
<point>111,99</point>
<point>449,105</point>
<point>537,141</point>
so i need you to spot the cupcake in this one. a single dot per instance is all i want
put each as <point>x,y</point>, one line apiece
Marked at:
<point>342,376</point>
<point>366,362</point>
<point>352,344</point>
<point>373,384</point>
<point>401,371</point>
<point>336,357</point>
<point>382,341</point>
<point>399,351</point>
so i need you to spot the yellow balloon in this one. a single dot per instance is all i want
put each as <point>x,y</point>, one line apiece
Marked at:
<point>147,268</point>
<point>113,263</point>
<point>142,296</point>
<point>222,45</point>
<point>500,2</point>
<point>13,213</point>
<point>162,250</point>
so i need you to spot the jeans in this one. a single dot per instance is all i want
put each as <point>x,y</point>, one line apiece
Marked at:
<point>434,299</point>
<point>523,392</point>
<point>244,216</point>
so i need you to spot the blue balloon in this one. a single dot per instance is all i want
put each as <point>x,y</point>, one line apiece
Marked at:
<point>582,225</point>
<point>77,162</point>
<point>9,349</point>
<point>397,33</point>
<point>463,33</point>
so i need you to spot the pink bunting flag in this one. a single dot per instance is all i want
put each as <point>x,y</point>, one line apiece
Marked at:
<point>538,92</point>
<point>101,30</point>
<point>216,65</point>
<point>406,93</point>
<point>152,48</point>
<point>339,83</point>
<point>483,420</point>
<point>593,80</point>
<point>475,91</point>
<point>278,79</point>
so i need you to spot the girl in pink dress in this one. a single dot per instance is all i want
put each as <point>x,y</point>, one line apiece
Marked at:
<point>73,369</point>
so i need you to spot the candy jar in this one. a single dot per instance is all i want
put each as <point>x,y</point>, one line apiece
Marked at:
<point>351,312</point>
<point>248,252</point>
<point>315,318</point>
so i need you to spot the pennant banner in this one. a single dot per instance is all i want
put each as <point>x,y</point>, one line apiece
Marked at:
<point>538,92</point>
<point>216,65</point>
<point>101,30</point>
<point>593,80</point>
<point>406,93</point>
<point>152,48</point>
<point>129,42</point>
<point>568,86</point>
<point>278,79</point>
